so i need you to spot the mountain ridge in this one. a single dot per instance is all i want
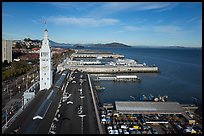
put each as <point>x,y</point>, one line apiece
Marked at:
<point>111,45</point>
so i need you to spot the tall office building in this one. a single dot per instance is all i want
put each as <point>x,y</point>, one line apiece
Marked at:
<point>46,74</point>
<point>7,50</point>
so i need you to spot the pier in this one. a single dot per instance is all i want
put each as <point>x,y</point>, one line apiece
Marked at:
<point>118,78</point>
<point>111,69</point>
<point>114,63</point>
<point>96,55</point>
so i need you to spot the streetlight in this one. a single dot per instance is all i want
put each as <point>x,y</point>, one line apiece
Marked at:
<point>82,116</point>
<point>7,88</point>
<point>26,85</point>
<point>27,82</point>
<point>10,93</point>
<point>19,87</point>
<point>6,119</point>
<point>81,97</point>
<point>16,84</point>
<point>22,102</point>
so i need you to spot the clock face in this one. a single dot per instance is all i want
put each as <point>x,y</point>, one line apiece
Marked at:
<point>44,67</point>
<point>44,54</point>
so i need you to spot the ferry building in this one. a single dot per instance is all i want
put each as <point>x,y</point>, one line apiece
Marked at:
<point>46,75</point>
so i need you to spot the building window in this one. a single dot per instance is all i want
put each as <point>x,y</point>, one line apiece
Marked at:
<point>44,83</point>
<point>44,73</point>
<point>47,78</point>
<point>42,78</point>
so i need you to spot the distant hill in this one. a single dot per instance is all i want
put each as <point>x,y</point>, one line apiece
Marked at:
<point>175,47</point>
<point>78,46</point>
<point>111,45</point>
<point>55,44</point>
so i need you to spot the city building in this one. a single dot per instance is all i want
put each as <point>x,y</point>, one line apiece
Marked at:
<point>46,75</point>
<point>7,50</point>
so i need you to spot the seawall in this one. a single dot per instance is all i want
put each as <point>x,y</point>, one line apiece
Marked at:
<point>104,69</point>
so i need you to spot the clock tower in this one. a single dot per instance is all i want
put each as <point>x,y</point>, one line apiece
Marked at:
<point>45,63</point>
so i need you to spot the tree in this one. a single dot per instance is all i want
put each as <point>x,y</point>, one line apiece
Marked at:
<point>18,45</point>
<point>27,39</point>
<point>6,62</point>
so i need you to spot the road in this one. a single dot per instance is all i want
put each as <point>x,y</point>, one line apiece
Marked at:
<point>17,86</point>
<point>13,89</point>
<point>25,123</point>
<point>13,100</point>
<point>70,121</point>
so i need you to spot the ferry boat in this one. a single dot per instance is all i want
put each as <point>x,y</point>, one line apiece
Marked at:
<point>99,88</point>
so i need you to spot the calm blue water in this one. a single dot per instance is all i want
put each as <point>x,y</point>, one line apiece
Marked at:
<point>180,77</point>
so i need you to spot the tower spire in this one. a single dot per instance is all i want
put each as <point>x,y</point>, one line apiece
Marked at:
<point>46,33</point>
<point>45,25</point>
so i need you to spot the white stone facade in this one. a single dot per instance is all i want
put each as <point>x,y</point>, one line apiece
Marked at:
<point>46,75</point>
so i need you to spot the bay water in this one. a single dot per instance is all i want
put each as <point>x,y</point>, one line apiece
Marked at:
<point>180,76</point>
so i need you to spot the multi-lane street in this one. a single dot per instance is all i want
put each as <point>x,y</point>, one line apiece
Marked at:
<point>71,111</point>
<point>15,87</point>
<point>77,114</point>
<point>12,93</point>
<point>24,123</point>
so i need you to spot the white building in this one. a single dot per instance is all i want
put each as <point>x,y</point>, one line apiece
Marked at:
<point>46,74</point>
<point>128,62</point>
<point>30,93</point>
<point>126,77</point>
<point>7,50</point>
<point>28,96</point>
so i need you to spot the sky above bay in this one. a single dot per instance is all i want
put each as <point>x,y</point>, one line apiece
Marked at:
<point>132,23</point>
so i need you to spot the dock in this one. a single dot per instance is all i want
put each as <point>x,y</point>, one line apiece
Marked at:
<point>119,78</point>
<point>96,55</point>
<point>113,69</point>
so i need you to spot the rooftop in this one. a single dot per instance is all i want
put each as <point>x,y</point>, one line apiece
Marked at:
<point>139,107</point>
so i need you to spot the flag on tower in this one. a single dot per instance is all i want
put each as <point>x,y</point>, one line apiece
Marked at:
<point>45,24</point>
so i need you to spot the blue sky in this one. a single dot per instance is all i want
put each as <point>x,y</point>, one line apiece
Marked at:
<point>132,23</point>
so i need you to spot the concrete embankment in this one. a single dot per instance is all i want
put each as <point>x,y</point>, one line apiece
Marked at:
<point>101,130</point>
<point>113,69</point>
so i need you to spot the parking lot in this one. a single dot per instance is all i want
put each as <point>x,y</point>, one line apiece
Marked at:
<point>118,123</point>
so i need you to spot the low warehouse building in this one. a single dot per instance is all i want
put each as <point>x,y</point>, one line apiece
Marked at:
<point>148,107</point>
